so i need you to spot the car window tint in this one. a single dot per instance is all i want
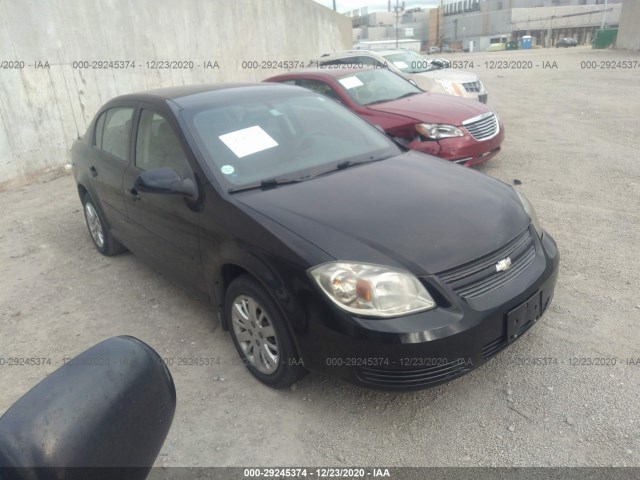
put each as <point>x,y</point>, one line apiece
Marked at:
<point>364,60</point>
<point>157,145</point>
<point>117,128</point>
<point>283,135</point>
<point>320,87</point>
<point>97,138</point>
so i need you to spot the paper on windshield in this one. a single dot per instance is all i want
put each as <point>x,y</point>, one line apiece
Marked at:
<point>400,64</point>
<point>350,82</point>
<point>247,141</point>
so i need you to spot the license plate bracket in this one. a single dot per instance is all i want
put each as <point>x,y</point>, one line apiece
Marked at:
<point>523,316</point>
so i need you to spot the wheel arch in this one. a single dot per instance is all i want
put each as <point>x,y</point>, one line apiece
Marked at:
<point>231,270</point>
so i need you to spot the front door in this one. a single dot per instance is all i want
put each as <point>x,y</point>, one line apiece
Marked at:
<point>165,226</point>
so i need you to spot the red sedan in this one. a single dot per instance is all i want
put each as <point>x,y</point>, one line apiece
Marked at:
<point>463,131</point>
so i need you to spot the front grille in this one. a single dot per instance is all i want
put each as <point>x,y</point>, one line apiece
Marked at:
<point>482,127</point>
<point>480,277</point>
<point>421,377</point>
<point>472,87</point>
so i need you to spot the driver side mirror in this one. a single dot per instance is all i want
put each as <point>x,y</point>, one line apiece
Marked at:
<point>107,411</point>
<point>166,181</point>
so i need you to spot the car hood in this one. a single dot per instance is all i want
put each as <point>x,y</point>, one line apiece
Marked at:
<point>412,211</point>
<point>434,108</point>
<point>458,76</point>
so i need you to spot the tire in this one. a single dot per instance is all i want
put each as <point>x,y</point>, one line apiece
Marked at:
<point>99,230</point>
<point>260,334</point>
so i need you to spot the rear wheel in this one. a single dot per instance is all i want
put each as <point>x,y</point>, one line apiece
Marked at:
<point>102,239</point>
<point>260,334</point>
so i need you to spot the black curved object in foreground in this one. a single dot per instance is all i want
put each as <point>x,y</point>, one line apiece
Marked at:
<point>104,414</point>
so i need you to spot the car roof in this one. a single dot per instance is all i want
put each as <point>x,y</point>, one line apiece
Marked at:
<point>323,72</point>
<point>350,53</point>
<point>180,94</point>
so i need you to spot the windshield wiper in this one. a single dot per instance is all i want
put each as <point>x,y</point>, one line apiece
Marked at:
<point>379,101</point>
<point>407,95</point>
<point>274,182</point>
<point>391,99</point>
<point>266,183</point>
<point>350,163</point>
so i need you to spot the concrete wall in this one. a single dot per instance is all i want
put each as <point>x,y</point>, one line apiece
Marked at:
<point>629,32</point>
<point>43,109</point>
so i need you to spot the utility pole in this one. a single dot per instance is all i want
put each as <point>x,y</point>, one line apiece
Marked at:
<point>604,14</point>
<point>398,10</point>
<point>334,5</point>
<point>440,29</point>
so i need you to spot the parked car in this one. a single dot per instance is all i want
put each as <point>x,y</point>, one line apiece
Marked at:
<point>468,133</point>
<point>433,50</point>
<point>431,75</point>
<point>566,42</point>
<point>320,243</point>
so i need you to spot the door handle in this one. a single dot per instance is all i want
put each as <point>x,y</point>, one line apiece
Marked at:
<point>134,193</point>
<point>94,172</point>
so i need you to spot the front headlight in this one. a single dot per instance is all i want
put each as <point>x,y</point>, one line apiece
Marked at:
<point>452,88</point>
<point>531,212</point>
<point>372,290</point>
<point>436,132</point>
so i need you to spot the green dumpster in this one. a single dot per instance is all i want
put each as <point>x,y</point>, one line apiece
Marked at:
<point>604,38</point>
<point>512,45</point>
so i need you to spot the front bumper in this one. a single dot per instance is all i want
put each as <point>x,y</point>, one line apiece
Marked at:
<point>432,347</point>
<point>463,150</point>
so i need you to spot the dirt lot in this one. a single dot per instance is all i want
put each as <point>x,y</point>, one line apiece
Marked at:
<point>572,140</point>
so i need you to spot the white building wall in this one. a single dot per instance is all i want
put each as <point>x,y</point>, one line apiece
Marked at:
<point>43,109</point>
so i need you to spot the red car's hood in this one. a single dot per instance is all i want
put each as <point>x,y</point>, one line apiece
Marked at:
<point>434,108</point>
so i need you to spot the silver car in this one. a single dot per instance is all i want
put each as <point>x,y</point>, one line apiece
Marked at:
<point>428,74</point>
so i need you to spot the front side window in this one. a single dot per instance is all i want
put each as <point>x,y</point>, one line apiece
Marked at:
<point>293,135</point>
<point>320,87</point>
<point>116,133</point>
<point>157,145</point>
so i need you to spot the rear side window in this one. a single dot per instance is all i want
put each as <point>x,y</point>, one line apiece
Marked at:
<point>116,133</point>
<point>97,138</point>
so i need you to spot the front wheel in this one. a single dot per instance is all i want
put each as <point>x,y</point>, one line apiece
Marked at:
<point>260,334</point>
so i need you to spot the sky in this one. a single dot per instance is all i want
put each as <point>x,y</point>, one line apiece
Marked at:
<point>375,5</point>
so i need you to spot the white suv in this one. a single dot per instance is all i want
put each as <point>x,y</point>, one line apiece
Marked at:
<point>428,74</point>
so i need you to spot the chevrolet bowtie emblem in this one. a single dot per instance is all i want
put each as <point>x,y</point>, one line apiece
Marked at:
<point>503,265</point>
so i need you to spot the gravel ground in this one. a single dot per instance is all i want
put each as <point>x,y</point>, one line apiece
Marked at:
<point>572,140</point>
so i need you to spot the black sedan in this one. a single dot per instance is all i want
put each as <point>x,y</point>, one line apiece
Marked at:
<point>321,244</point>
<point>567,42</point>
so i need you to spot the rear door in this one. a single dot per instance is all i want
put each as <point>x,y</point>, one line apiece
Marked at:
<point>165,226</point>
<point>107,162</point>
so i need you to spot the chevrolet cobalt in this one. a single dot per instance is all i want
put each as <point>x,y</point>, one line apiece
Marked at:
<point>320,243</point>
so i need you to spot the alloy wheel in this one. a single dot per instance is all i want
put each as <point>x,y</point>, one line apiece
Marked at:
<point>255,334</point>
<point>94,224</point>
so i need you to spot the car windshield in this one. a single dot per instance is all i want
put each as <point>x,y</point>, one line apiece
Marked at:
<point>287,136</point>
<point>410,61</point>
<point>379,85</point>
